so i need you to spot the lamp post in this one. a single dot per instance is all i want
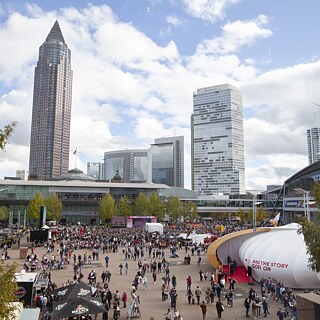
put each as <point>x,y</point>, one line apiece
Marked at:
<point>305,201</point>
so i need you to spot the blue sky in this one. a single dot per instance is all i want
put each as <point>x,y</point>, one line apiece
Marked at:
<point>137,62</point>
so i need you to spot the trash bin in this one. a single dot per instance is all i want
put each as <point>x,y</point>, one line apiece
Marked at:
<point>23,252</point>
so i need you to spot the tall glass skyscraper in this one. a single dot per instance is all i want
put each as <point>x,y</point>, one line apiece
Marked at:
<point>51,112</point>
<point>168,161</point>
<point>217,144</point>
<point>313,140</point>
<point>132,165</point>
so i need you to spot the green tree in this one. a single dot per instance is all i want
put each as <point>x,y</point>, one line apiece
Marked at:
<point>190,210</point>
<point>156,206</point>
<point>124,206</point>
<point>54,207</point>
<point>107,207</point>
<point>4,213</point>
<point>311,234</point>
<point>175,208</point>
<point>8,287</point>
<point>141,206</point>
<point>261,215</point>
<point>5,134</point>
<point>33,209</point>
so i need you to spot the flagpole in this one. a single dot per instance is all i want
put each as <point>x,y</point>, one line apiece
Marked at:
<point>75,158</point>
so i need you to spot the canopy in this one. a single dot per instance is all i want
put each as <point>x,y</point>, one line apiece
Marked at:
<point>71,291</point>
<point>77,307</point>
<point>154,227</point>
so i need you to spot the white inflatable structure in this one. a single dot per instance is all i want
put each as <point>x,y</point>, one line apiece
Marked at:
<point>281,254</point>
<point>275,252</point>
<point>154,227</point>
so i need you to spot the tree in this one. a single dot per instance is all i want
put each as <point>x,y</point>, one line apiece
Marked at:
<point>5,134</point>
<point>33,209</point>
<point>261,215</point>
<point>190,210</point>
<point>156,206</point>
<point>4,213</point>
<point>141,206</point>
<point>124,207</point>
<point>107,207</point>
<point>54,207</point>
<point>174,208</point>
<point>311,234</point>
<point>8,287</point>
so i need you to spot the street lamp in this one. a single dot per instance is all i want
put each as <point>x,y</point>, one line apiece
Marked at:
<point>305,201</point>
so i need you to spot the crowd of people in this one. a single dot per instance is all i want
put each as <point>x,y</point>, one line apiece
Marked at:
<point>146,254</point>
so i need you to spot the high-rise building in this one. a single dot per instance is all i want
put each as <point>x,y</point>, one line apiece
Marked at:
<point>168,161</point>
<point>217,143</point>
<point>51,112</point>
<point>313,135</point>
<point>131,165</point>
<point>94,169</point>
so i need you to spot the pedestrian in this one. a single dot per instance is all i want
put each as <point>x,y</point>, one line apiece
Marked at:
<point>198,292</point>
<point>126,267</point>
<point>220,308</point>
<point>203,307</point>
<point>174,281</point>
<point>199,261</point>
<point>189,295</point>
<point>154,276</point>
<point>167,315</point>
<point>124,299</point>
<point>280,314</point>
<point>120,268</point>
<point>173,297</point>
<point>106,258</point>
<point>201,274</point>
<point>247,306</point>
<point>189,282</point>
<point>265,307</point>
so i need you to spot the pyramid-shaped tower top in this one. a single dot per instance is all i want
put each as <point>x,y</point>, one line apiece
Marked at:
<point>55,33</point>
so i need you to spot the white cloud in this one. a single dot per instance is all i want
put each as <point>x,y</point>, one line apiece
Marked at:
<point>122,78</point>
<point>235,35</point>
<point>174,20</point>
<point>209,10</point>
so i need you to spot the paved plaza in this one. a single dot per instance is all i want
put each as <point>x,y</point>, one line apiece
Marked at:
<point>151,304</point>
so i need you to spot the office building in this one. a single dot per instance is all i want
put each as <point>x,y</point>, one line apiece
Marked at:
<point>51,112</point>
<point>168,161</point>
<point>131,165</point>
<point>94,170</point>
<point>313,145</point>
<point>217,143</point>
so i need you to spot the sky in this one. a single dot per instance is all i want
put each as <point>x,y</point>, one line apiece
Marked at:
<point>136,64</point>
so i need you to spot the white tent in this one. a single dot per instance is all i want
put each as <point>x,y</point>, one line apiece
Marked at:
<point>280,254</point>
<point>199,238</point>
<point>154,227</point>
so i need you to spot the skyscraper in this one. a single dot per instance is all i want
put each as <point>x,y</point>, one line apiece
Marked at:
<point>217,144</point>
<point>94,169</point>
<point>51,111</point>
<point>168,161</point>
<point>132,165</point>
<point>313,135</point>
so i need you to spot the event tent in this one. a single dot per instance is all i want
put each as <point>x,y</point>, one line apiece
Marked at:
<point>275,252</point>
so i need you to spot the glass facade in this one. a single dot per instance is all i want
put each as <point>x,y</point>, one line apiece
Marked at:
<point>168,161</point>
<point>313,135</point>
<point>217,141</point>
<point>162,164</point>
<point>132,165</point>
<point>51,112</point>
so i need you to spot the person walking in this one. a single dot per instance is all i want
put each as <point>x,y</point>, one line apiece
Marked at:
<point>203,307</point>
<point>124,299</point>
<point>265,307</point>
<point>198,293</point>
<point>247,306</point>
<point>220,308</point>
<point>189,295</point>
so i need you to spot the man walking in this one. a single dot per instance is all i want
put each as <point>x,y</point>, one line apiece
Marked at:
<point>203,307</point>
<point>197,293</point>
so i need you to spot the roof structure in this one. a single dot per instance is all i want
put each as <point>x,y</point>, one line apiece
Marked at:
<point>55,33</point>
